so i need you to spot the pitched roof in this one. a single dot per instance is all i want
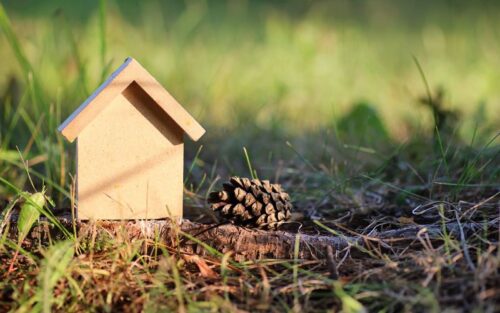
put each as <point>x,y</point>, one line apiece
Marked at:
<point>130,71</point>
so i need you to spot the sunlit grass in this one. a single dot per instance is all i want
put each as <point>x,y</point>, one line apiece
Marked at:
<point>324,99</point>
<point>269,66</point>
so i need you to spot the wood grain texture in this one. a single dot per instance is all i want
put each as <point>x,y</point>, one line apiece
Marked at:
<point>243,243</point>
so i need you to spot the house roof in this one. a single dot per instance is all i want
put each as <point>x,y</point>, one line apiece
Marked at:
<point>130,71</point>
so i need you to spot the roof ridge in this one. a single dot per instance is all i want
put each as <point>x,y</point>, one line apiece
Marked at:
<point>76,122</point>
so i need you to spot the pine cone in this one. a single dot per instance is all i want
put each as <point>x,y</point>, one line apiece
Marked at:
<point>254,203</point>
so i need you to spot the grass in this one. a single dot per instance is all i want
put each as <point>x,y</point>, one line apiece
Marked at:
<point>281,94</point>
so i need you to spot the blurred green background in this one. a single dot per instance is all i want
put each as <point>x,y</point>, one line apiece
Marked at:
<point>285,79</point>
<point>296,65</point>
<point>339,101</point>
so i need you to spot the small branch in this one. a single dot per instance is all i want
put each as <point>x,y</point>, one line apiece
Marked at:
<point>245,243</point>
<point>464,244</point>
<point>334,274</point>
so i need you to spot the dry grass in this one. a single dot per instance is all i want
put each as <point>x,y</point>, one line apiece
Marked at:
<point>361,171</point>
<point>431,271</point>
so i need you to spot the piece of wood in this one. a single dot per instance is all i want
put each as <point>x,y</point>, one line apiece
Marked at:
<point>130,148</point>
<point>243,243</point>
<point>129,72</point>
<point>130,161</point>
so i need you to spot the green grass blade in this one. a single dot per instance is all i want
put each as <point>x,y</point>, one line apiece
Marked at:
<point>253,173</point>
<point>46,213</point>
<point>54,267</point>
<point>26,67</point>
<point>6,27</point>
<point>29,214</point>
<point>102,38</point>
<point>196,156</point>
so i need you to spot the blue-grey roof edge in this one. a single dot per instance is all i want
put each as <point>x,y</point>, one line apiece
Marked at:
<point>94,94</point>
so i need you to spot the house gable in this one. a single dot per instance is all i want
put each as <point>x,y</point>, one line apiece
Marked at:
<point>129,72</point>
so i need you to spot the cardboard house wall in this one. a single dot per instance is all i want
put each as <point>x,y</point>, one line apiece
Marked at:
<point>130,149</point>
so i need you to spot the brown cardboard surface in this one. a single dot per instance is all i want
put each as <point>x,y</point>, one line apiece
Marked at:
<point>130,71</point>
<point>130,161</point>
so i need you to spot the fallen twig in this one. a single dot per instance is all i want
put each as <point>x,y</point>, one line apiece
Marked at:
<point>249,243</point>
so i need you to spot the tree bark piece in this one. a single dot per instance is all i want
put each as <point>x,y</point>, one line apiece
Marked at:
<point>244,243</point>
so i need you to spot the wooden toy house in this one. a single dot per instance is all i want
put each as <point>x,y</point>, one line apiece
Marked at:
<point>130,148</point>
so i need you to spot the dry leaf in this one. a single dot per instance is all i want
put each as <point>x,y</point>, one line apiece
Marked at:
<point>205,270</point>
